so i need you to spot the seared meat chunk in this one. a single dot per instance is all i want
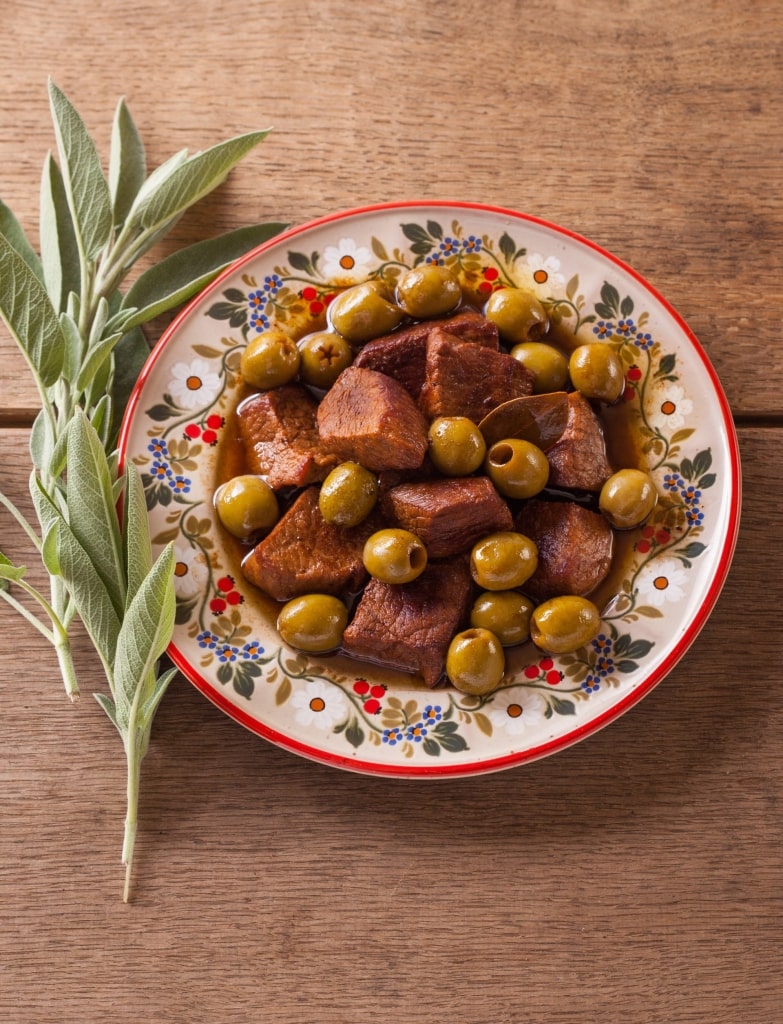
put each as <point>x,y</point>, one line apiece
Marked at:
<point>305,554</point>
<point>578,460</point>
<point>449,515</point>
<point>469,380</point>
<point>574,547</point>
<point>280,436</point>
<point>409,626</point>
<point>403,354</point>
<point>370,418</point>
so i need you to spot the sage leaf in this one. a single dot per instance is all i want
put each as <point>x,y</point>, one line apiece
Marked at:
<point>59,252</point>
<point>108,706</point>
<point>42,440</point>
<point>9,571</point>
<point>97,356</point>
<point>29,315</point>
<point>143,637</point>
<point>182,275</point>
<point>127,163</point>
<point>130,355</point>
<point>74,346</point>
<point>194,179</point>
<point>85,184</point>
<point>91,511</point>
<point>14,232</point>
<point>90,596</point>
<point>136,532</point>
<point>151,704</point>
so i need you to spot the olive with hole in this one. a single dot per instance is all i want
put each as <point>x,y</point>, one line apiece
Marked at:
<point>324,355</point>
<point>313,622</point>
<point>394,556</point>
<point>548,365</point>
<point>503,560</point>
<point>246,505</point>
<point>596,371</point>
<point>562,625</point>
<point>517,468</point>
<point>505,612</point>
<point>627,498</point>
<point>269,360</point>
<point>518,315</point>
<point>348,494</point>
<point>428,291</point>
<point>456,445</point>
<point>475,662</point>
<point>362,312</point>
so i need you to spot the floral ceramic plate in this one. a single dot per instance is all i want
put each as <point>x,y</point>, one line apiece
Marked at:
<point>353,715</point>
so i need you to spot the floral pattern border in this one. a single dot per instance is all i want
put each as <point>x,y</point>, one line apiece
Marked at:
<point>187,418</point>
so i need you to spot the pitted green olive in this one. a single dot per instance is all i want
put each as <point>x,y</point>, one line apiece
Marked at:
<point>269,360</point>
<point>428,290</point>
<point>547,364</point>
<point>503,560</point>
<point>518,314</point>
<point>627,498</point>
<point>313,622</point>
<point>475,662</point>
<point>394,556</point>
<point>505,612</point>
<point>517,468</point>
<point>324,355</point>
<point>361,313</point>
<point>246,505</point>
<point>456,445</point>
<point>564,624</point>
<point>348,494</point>
<point>596,371</point>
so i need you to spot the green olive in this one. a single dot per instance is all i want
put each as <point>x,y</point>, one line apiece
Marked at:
<point>475,662</point>
<point>428,290</point>
<point>595,370</point>
<point>518,315</point>
<point>627,498</point>
<point>361,313</point>
<point>456,445</point>
<point>503,560</point>
<point>270,359</point>
<point>313,622</point>
<point>394,556</point>
<point>564,624</point>
<point>505,612</point>
<point>324,355</point>
<point>517,468</point>
<point>547,364</point>
<point>246,505</point>
<point>348,494</point>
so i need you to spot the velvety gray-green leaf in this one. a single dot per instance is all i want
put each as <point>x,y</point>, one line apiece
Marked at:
<point>42,440</point>
<point>90,596</point>
<point>127,163</point>
<point>108,706</point>
<point>97,355</point>
<point>194,179</point>
<point>130,356</point>
<point>59,248</point>
<point>14,232</point>
<point>91,509</point>
<point>29,315</point>
<point>136,532</point>
<point>74,348</point>
<point>101,419</point>
<point>85,184</point>
<point>144,636</point>
<point>9,571</point>
<point>182,275</point>
<point>150,706</point>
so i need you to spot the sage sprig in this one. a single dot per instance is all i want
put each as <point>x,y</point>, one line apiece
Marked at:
<point>79,331</point>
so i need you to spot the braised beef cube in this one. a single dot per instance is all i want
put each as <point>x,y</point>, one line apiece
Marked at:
<point>305,554</point>
<point>469,380</point>
<point>403,354</point>
<point>409,626</point>
<point>574,547</point>
<point>370,418</point>
<point>449,515</point>
<point>280,436</point>
<point>578,461</point>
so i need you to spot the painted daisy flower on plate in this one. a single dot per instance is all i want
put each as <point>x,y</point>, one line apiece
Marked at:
<point>516,709</point>
<point>346,261</point>
<point>194,385</point>
<point>663,582</point>
<point>318,704</point>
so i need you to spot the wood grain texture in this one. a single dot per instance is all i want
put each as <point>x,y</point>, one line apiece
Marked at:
<point>635,876</point>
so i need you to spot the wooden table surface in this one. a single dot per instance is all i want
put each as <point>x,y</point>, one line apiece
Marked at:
<point>635,877</point>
